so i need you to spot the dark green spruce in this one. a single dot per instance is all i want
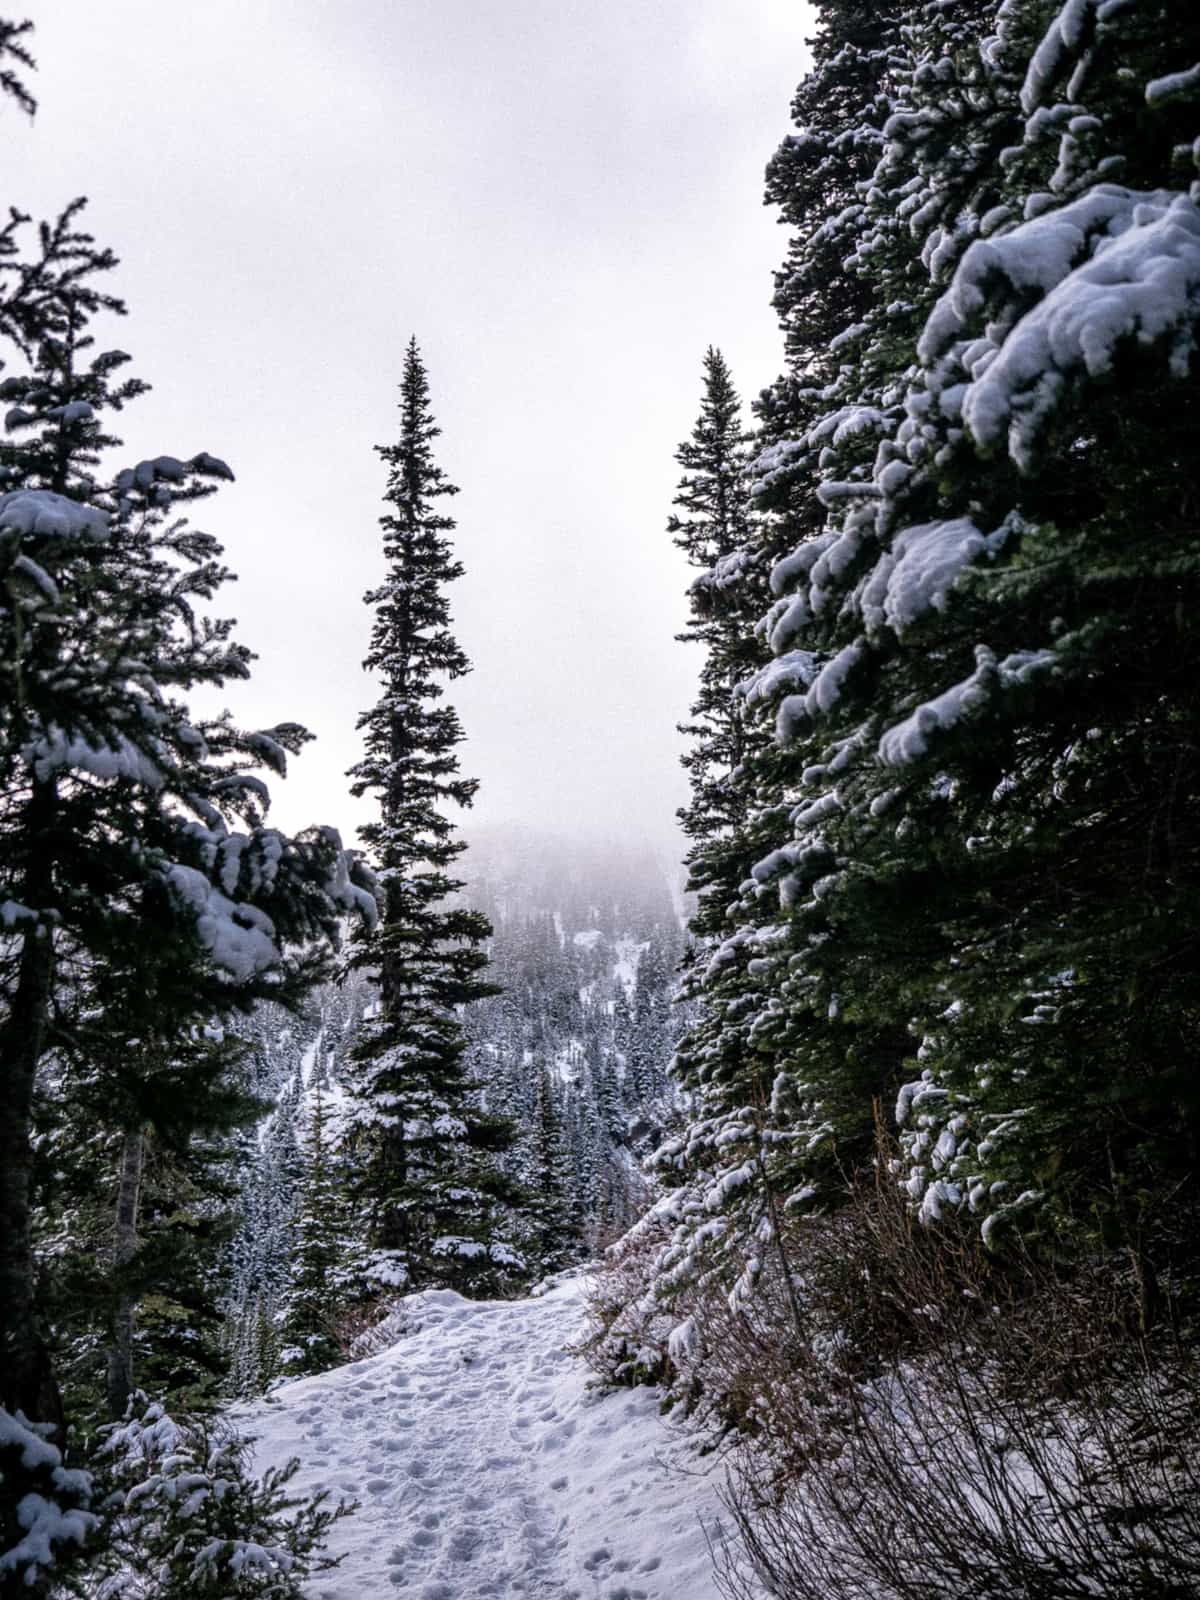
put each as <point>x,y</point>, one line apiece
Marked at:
<point>428,1185</point>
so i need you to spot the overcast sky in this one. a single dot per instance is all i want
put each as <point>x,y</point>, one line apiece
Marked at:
<point>562,200</point>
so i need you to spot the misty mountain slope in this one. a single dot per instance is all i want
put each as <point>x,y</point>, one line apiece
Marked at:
<point>586,945</point>
<point>485,1465</point>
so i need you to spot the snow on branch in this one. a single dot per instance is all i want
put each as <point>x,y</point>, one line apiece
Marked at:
<point>45,1523</point>
<point>1142,286</point>
<point>909,740</point>
<point>42,512</point>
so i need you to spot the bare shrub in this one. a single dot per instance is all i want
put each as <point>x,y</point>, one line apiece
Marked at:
<point>367,1327</point>
<point>953,1424</point>
<point>940,1479</point>
<point>909,1416</point>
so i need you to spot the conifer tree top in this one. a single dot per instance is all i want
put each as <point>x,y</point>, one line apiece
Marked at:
<point>409,762</point>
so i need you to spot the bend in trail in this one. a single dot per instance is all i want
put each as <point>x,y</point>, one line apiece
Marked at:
<point>484,1465</point>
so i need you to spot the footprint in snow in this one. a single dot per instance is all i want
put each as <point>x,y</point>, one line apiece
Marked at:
<point>464,1544</point>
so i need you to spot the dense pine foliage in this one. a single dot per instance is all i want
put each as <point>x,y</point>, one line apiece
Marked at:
<point>145,898</point>
<point>969,857</point>
<point>956,972</point>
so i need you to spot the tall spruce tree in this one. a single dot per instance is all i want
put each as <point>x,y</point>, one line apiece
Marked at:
<point>427,1180</point>
<point>132,836</point>
<point>552,1220</point>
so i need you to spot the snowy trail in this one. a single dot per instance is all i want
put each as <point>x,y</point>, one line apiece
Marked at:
<point>485,1467</point>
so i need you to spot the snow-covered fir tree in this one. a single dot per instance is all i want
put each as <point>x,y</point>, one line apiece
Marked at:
<point>716,1062</point>
<point>428,1184</point>
<point>553,1223</point>
<point>134,839</point>
<point>716,531</point>
<point>290,1060</point>
<point>185,1517</point>
<point>997,733</point>
<point>319,1252</point>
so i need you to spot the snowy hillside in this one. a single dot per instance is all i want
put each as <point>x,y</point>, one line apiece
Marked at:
<point>485,1465</point>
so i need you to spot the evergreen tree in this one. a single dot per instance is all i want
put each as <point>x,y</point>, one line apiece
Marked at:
<point>316,1290</point>
<point>131,836</point>
<point>185,1518</point>
<point>134,1184</point>
<point>425,1149</point>
<point>762,1126</point>
<point>651,1039</point>
<point>551,1215</point>
<point>717,534</point>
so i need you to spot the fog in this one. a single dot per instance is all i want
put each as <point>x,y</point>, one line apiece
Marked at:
<point>563,202</point>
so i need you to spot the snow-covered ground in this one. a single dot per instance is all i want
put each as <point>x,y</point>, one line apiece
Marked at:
<point>485,1466</point>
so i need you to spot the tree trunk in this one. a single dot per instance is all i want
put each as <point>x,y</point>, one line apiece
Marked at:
<point>26,1381</point>
<point>120,1353</point>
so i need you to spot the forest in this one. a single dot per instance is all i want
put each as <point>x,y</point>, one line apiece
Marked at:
<point>864,1131</point>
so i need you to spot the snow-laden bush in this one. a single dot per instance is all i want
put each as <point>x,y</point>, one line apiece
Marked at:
<point>51,1522</point>
<point>186,1518</point>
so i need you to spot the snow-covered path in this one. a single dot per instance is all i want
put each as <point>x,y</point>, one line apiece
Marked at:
<point>484,1466</point>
